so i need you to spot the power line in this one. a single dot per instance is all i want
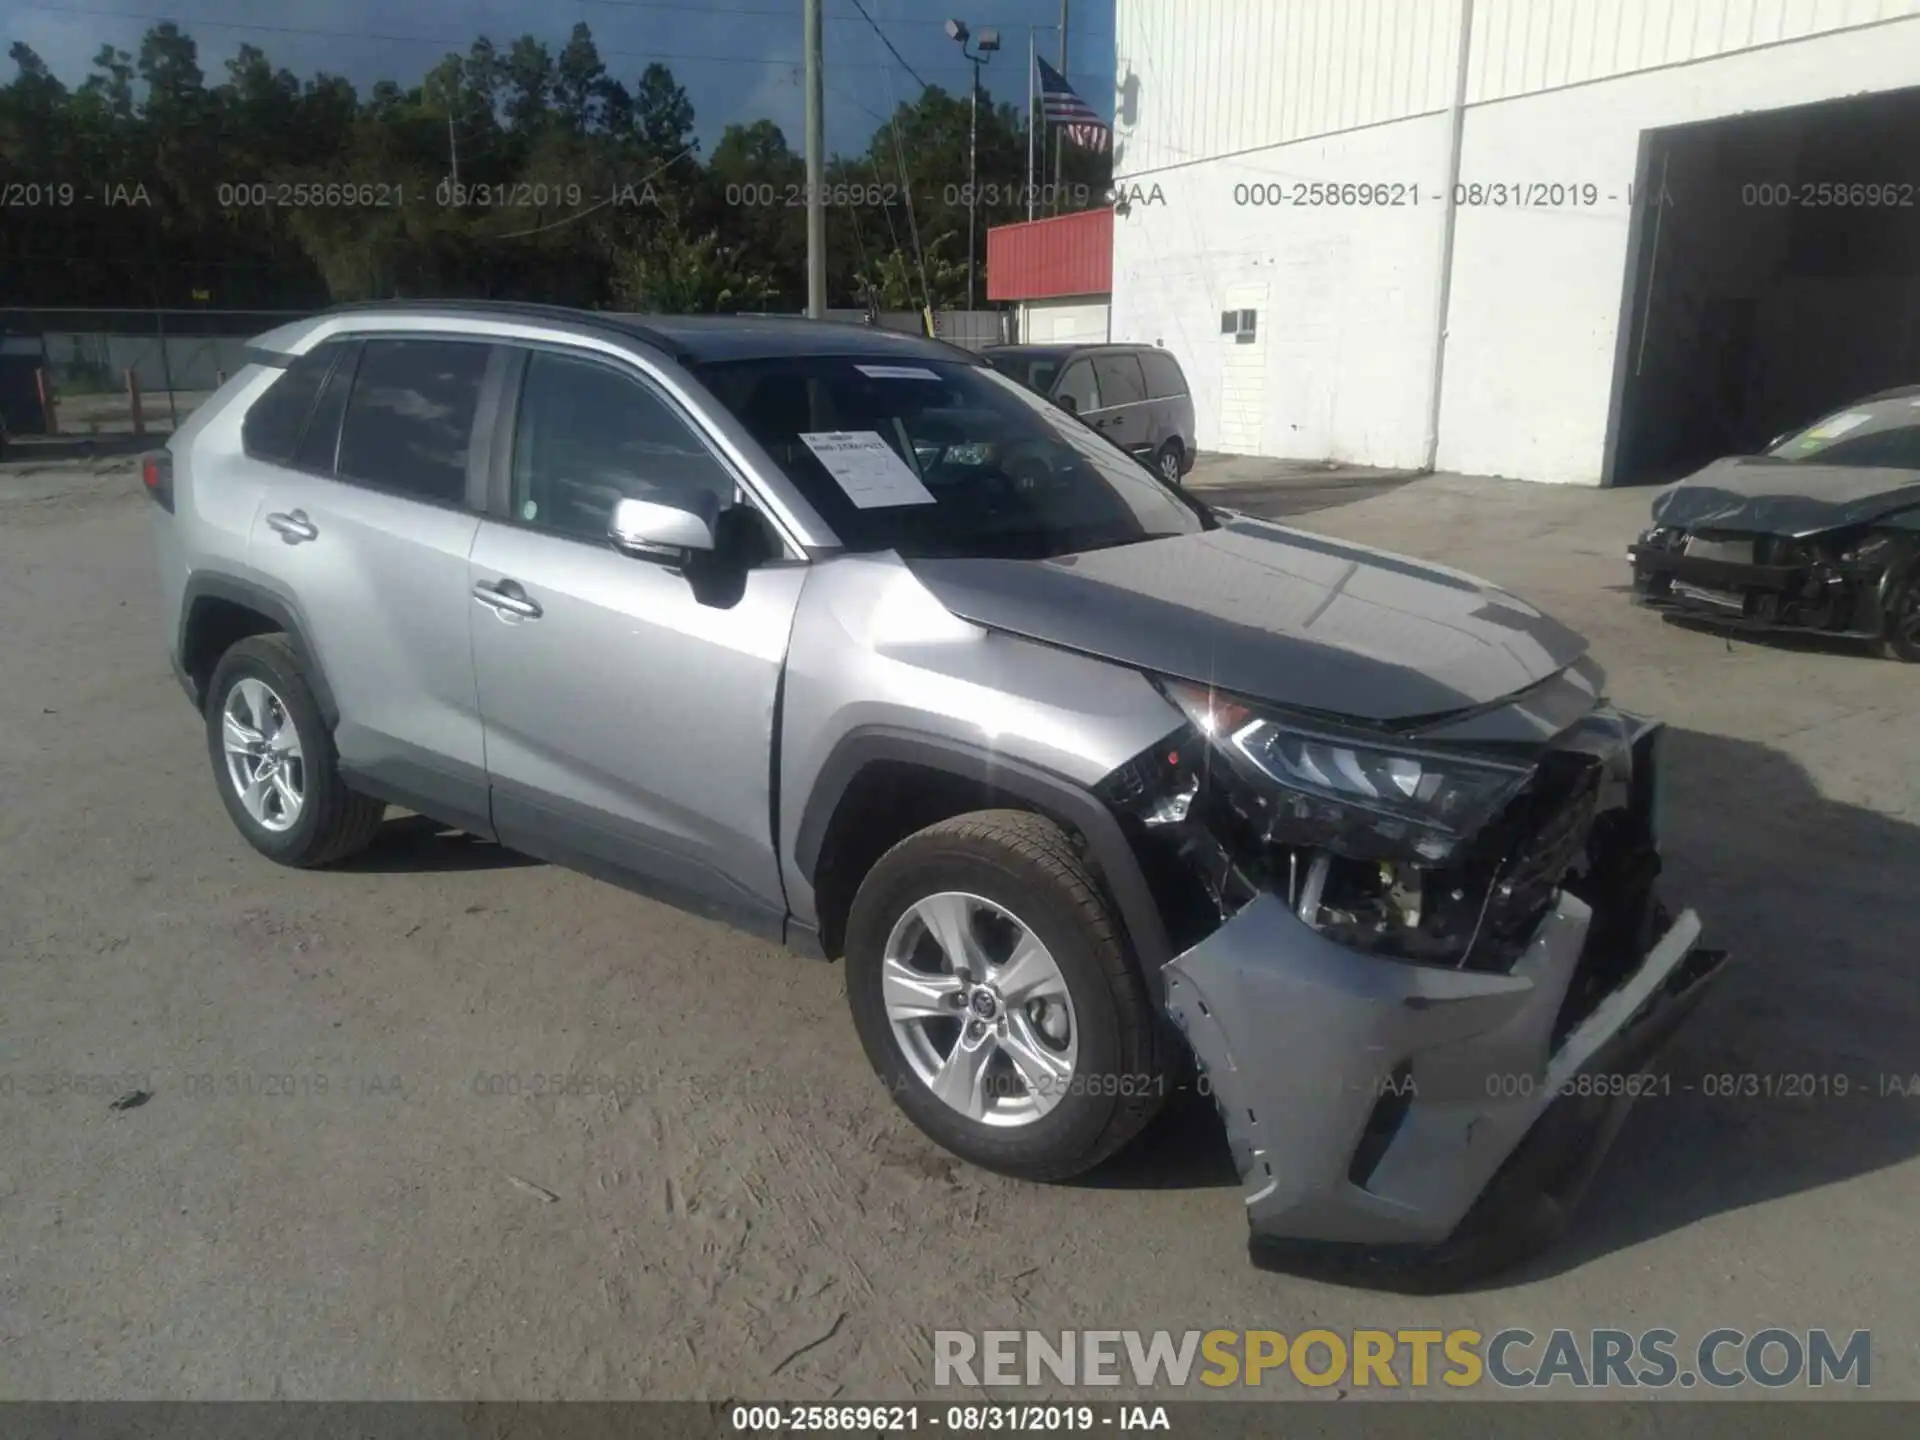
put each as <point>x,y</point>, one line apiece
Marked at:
<point>888,43</point>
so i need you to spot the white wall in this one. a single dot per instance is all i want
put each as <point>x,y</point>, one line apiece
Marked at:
<point>1535,310</point>
<point>1076,319</point>
<point>1344,295</point>
<point>1353,91</point>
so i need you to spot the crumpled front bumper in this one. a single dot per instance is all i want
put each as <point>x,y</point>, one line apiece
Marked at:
<point>1410,1125</point>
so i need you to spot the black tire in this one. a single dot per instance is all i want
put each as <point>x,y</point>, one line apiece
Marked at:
<point>334,822</point>
<point>1169,460</point>
<point>1026,864</point>
<point>1900,625</point>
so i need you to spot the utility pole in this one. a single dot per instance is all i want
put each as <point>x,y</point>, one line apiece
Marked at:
<point>1059,134</point>
<point>453,143</point>
<point>816,169</point>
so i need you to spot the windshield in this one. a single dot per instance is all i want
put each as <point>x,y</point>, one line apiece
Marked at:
<point>944,458</point>
<point>1882,433</point>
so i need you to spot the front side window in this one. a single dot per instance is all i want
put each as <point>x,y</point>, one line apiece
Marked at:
<point>588,436</point>
<point>1079,386</point>
<point>273,424</point>
<point>1876,434</point>
<point>1036,374</point>
<point>409,420</point>
<point>944,458</point>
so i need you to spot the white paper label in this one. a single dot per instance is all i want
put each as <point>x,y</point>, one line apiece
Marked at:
<point>867,468</point>
<point>1839,425</point>
<point>896,372</point>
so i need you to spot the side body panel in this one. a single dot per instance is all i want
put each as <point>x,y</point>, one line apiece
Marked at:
<point>383,589</point>
<point>217,494</point>
<point>630,721</point>
<point>874,651</point>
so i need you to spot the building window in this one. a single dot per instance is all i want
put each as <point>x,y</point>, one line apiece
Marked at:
<point>1239,324</point>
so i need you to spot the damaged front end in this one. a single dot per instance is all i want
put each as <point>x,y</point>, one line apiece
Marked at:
<point>1420,973</point>
<point>1835,583</point>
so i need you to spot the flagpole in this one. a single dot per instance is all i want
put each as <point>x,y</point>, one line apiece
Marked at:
<point>1033,119</point>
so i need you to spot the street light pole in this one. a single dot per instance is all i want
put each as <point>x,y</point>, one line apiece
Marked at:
<point>989,41</point>
<point>973,177</point>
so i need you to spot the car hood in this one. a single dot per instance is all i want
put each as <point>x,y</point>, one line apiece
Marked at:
<point>1273,614</point>
<point>1778,497</point>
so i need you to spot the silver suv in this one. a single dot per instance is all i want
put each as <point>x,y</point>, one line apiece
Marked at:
<point>844,637</point>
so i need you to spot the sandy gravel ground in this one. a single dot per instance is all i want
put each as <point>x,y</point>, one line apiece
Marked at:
<point>323,1197</point>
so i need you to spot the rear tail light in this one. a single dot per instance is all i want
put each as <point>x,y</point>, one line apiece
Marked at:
<point>156,473</point>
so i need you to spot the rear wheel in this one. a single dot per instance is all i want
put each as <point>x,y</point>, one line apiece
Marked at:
<point>274,760</point>
<point>993,994</point>
<point>1900,626</point>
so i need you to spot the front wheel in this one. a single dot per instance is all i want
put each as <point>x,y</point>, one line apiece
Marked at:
<point>994,995</point>
<point>1900,629</point>
<point>1169,460</point>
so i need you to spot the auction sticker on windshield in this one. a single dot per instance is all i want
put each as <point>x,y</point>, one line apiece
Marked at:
<point>1839,425</point>
<point>867,468</point>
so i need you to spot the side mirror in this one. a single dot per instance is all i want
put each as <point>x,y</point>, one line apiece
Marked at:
<point>1069,404</point>
<point>652,531</point>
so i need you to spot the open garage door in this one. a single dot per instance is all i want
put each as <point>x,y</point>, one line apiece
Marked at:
<point>1773,275</point>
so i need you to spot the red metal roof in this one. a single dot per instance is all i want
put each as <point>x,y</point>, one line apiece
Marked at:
<point>1066,255</point>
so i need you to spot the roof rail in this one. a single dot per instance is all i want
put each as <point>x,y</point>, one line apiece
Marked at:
<point>528,309</point>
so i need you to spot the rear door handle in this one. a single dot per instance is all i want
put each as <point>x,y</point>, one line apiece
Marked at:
<point>293,526</point>
<point>505,597</point>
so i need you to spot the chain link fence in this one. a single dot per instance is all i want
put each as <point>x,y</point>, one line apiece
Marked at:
<point>93,365</point>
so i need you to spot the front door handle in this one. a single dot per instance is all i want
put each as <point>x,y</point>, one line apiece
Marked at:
<point>293,526</point>
<point>507,598</point>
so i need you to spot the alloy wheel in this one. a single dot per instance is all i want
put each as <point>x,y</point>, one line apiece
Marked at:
<point>1170,466</point>
<point>264,760</point>
<point>980,1009</point>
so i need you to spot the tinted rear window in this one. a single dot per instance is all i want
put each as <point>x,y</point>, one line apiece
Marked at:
<point>410,419</point>
<point>1163,375</point>
<point>1120,380</point>
<point>322,436</point>
<point>272,426</point>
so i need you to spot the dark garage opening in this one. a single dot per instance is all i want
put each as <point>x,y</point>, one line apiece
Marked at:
<point>1774,275</point>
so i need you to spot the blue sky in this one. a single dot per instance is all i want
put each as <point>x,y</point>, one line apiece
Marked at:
<point>738,59</point>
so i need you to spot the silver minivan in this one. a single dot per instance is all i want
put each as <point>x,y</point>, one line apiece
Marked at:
<point>1134,395</point>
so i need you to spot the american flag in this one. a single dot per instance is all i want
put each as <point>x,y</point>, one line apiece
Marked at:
<point>1060,105</point>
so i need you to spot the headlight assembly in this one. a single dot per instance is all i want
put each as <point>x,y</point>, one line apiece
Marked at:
<point>1358,797</point>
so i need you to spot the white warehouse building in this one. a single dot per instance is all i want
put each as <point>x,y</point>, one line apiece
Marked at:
<point>1582,241</point>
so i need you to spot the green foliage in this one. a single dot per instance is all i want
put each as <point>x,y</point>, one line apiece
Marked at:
<point>677,274</point>
<point>585,188</point>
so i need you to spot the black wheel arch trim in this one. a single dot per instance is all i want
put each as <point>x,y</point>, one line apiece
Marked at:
<point>1054,796</point>
<point>278,608</point>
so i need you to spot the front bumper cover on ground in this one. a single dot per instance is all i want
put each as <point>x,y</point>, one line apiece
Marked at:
<point>1493,1128</point>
